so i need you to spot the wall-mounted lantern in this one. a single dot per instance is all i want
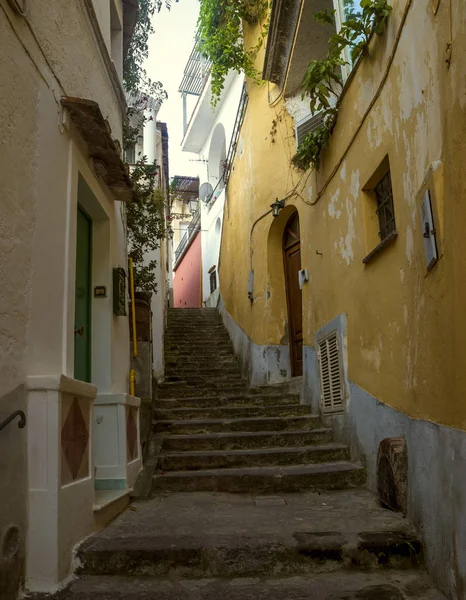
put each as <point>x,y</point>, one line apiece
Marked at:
<point>192,204</point>
<point>277,206</point>
<point>170,232</point>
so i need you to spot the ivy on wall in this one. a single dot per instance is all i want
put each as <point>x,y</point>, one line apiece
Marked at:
<point>220,30</point>
<point>145,216</point>
<point>323,80</point>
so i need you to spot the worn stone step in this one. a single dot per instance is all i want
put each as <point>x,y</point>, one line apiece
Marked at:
<point>219,459</point>
<point>247,439</point>
<point>198,332</point>
<point>213,342</point>
<point>234,400</point>
<point>379,585</point>
<point>252,424</point>
<point>209,389</point>
<point>263,480</point>
<point>230,412</point>
<point>188,370</point>
<point>205,379</point>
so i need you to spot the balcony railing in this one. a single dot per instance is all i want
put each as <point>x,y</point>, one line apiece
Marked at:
<point>190,232</point>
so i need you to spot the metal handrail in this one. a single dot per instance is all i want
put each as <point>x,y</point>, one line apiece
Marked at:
<point>21,422</point>
<point>192,227</point>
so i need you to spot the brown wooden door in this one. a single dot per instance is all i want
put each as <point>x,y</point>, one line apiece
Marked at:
<point>292,263</point>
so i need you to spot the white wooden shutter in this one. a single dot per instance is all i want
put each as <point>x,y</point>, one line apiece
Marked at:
<point>331,380</point>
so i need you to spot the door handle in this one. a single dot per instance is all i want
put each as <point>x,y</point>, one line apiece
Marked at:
<point>79,331</point>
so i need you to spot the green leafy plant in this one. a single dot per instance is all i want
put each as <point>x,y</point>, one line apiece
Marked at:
<point>310,149</point>
<point>145,218</point>
<point>220,31</point>
<point>323,81</point>
<point>135,79</point>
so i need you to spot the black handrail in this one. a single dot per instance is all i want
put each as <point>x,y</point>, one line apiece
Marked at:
<point>21,422</point>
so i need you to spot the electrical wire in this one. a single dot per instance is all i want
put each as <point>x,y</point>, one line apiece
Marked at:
<point>370,107</point>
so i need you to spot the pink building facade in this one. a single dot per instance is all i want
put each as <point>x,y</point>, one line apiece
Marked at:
<point>187,277</point>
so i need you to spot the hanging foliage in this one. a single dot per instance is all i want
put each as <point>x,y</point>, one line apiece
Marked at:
<point>322,82</point>
<point>135,79</point>
<point>145,219</point>
<point>220,30</point>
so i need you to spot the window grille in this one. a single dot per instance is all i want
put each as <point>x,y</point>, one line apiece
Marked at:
<point>385,209</point>
<point>213,281</point>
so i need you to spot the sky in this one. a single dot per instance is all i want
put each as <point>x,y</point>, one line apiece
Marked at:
<point>169,49</point>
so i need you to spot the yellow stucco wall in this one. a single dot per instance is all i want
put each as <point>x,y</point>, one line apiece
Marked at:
<point>406,327</point>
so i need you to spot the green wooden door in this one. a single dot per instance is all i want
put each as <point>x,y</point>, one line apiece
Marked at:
<point>82,319</point>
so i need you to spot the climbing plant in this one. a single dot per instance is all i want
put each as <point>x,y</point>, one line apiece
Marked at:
<point>135,79</point>
<point>145,218</point>
<point>220,31</point>
<point>323,81</point>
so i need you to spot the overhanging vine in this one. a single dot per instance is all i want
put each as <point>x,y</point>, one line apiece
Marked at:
<point>323,81</point>
<point>220,30</point>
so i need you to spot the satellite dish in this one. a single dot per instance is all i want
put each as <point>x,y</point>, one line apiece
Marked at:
<point>205,192</point>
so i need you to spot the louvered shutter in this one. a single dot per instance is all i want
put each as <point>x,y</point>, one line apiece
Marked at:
<point>331,380</point>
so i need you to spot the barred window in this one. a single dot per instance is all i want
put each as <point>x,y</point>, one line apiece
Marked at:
<point>213,281</point>
<point>385,209</point>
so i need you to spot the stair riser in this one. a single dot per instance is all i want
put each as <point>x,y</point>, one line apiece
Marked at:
<point>247,442</point>
<point>232,413</point>
<point>229,401</point>
<point>269,558</point>
<point>210,390</point>
<point>194,379</point>
<point>193,463</point>
<point>190,371</point>
<point>232,426</point>
<point>260,484</point>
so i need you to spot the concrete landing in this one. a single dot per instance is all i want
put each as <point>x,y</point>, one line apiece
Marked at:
<point>394,585</point>
<point>209,535</point>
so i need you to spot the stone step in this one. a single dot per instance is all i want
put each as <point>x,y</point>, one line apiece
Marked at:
<point>263,480</point>
<point>204,378</point>
<point>253,424</point>
<point>235,400</point>
<point>220,459</point>
<point>209,389</point>
<point>188,370</point>
<point>231,412</point>
<point>247,439</point>
<point>207,356</point>
<point>211,342</point>
<point>379,585</point>
<point>200,332</point>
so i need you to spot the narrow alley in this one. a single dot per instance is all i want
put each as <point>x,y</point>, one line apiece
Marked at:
<point>232,303</point>
<point>249,498</point>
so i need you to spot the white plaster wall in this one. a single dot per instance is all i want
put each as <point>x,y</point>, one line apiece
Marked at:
<point>212,221</point>
<point>102,12</point>
<point>210,238</point>
<point>40,163</point>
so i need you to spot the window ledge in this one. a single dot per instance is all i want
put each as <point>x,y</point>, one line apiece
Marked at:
<point>383,244</point>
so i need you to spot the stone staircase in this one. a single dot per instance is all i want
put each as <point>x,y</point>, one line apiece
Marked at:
<point>197,538</point>
<point>220,435</point>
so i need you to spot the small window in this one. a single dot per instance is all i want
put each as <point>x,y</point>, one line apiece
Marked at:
<point>385,210</point>
<point>379,211</point>
<point>213,281</point>
<point>130,154</point>
<point>331,376</point>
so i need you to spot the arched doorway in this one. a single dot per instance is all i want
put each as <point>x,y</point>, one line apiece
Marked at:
<point>292,266</point>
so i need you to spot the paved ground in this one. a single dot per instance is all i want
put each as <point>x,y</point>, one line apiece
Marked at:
<point>204,514</point>
<point>203,546</point>
<point>393,585</point>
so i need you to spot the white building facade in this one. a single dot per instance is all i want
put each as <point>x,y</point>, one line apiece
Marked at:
<point>210,135</point>
<point>64,351</point>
